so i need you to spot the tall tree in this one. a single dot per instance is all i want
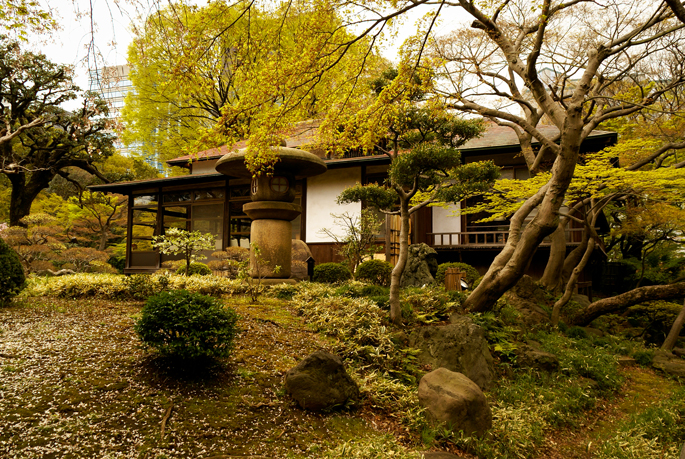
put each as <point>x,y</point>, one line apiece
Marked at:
<point>421,140</point>
<point>210,75</point>
<point>44,139</point>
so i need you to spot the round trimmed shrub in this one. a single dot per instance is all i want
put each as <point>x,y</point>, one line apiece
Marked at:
<point>331,273</point>
<point>187,325</point>
<point>376,272</point>
<point>195,268</point>
<point>12,277</point>
<point>471,273</point>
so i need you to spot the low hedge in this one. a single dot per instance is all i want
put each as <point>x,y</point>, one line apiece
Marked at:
<point>374,272</point>
<point>138,286</point>
<point>331,273</point>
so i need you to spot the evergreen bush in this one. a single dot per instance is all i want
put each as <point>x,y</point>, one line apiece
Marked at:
<point>12,277</point>
<point>331,273</point>
<point>195,268</point>
<point>187,325</point>
<point>375,272</point>
<point>471,273</point>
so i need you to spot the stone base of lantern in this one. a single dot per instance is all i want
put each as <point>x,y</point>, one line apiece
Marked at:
<point>273,238</point>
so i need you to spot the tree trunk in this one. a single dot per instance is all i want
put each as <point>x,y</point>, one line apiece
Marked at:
<point>102,244</point>
<point>624,300</point>
<point>510,265</point>
<point>675,331</point>
<point>24,193</point>
<point>552,278</point>
<point>572,281</point>
<point>396,276</point>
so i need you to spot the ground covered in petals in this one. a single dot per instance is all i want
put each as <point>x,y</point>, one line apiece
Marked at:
<point>75,382</point>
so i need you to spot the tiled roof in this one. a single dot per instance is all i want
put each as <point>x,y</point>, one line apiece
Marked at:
<point>304,133</point>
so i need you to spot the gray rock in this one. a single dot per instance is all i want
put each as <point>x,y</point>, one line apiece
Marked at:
<point>453,399</point>
<point>459,347</point>
<point>320,382</point>
<point>530,357</point>
<point>531,312</point>
<point>679,351</point>
<point>682,452</point>
<point>669,363</point>
<point>300,253</point>
<point>582,300</point>
<point>420,261</point>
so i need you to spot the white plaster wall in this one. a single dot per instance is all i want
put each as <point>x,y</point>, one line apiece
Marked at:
<point>204,167</point>
<point>444,221</point>
<point>322,193</point>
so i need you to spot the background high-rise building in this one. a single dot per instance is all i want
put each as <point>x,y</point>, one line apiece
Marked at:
<point>113,84</point>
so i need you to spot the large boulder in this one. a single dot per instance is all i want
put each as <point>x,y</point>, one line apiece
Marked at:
<point>422,265</point>
<point>532,357</point>
<point>459,346</point>
<point>300,253</point>
<point>669,363</point>
<point>320,382</point>
<point>453,399</point>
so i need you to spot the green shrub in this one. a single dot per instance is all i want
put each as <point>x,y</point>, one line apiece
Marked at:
<point>331,273</point>
<point>576,332</point>
<point>374,290</point>
<point>187,325</point>
<point>195,268</point>
<point>375,272</point>
<point>283,291</point>
<point>471,273</point>
<point>12,278</point>
<point>644,357</point>
<point>118,262</point>
<point>140,286</point>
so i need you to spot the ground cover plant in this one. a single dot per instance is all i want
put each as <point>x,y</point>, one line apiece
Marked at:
<point>77,382</point>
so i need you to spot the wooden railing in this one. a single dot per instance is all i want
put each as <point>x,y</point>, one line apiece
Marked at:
<point>488,238</point>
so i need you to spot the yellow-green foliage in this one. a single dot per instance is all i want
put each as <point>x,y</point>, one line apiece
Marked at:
<point>372,448</point>
<point>597,177</point>
<point>358,324</point>
<point>113,285</point>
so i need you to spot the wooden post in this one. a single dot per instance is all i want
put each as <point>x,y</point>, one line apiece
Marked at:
<point>453,277</point>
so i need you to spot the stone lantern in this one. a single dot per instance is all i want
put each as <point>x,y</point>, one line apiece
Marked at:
<point>272,210</point>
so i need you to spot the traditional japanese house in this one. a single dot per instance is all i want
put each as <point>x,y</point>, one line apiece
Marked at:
<point>207,201</point>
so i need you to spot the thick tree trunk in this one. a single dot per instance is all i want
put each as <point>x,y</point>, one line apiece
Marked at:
<point>396,276</point>
<point>552,278</point>
<point>102,244</point>
<point>675,331</point>
<point>624,300</point>
<point>24,192</point>
<point>510,265</point>
<point>572,281</point>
